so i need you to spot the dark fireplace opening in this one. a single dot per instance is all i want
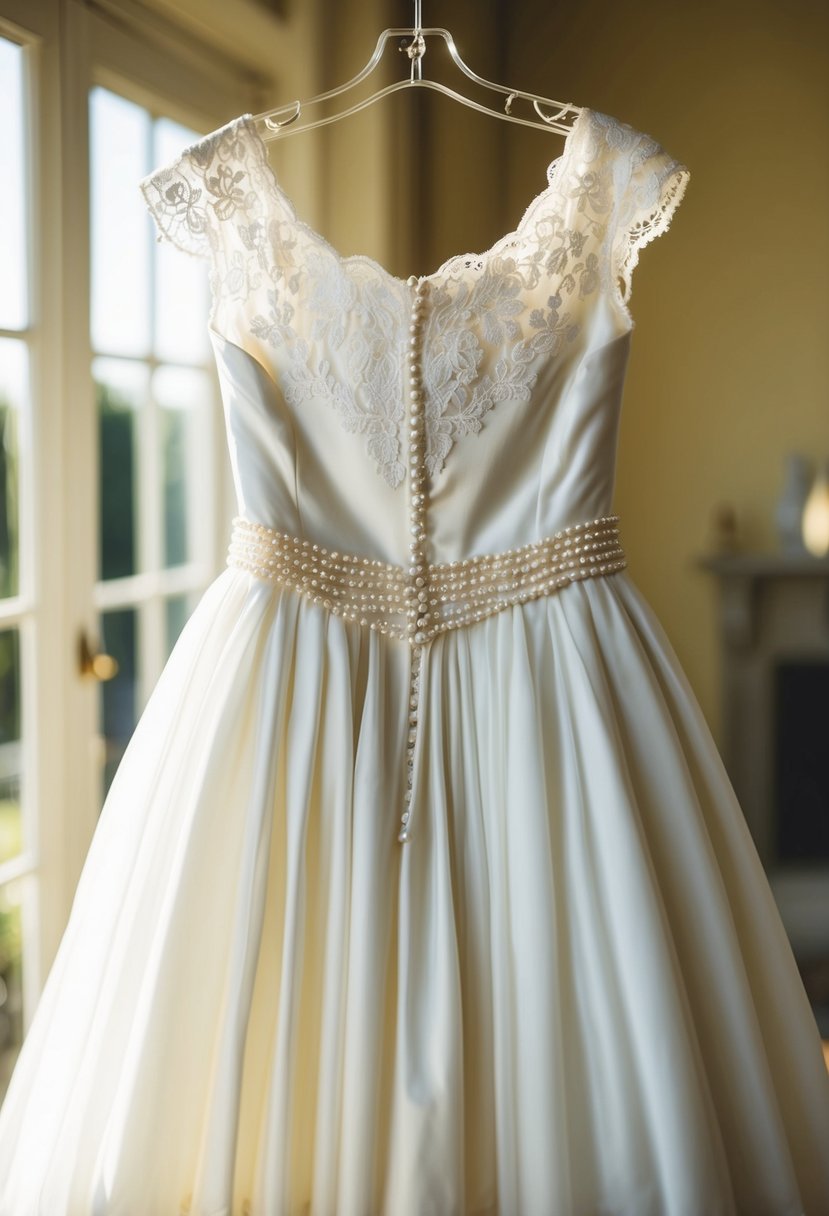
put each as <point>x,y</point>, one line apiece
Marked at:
<point>801,761</point>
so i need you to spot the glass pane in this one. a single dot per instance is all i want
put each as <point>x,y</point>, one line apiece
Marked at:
<point>13,397</point>
<point>11,819</point>
<point>121,391</point>
<point>11,979</point>
<point>182,396</point>
<point>14,304</point>
<point>181,285</point>
<point>178,609</point>
<point>119,146</point>
<point>119,696</point>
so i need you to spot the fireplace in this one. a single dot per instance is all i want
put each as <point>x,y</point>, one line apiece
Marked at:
<point>800,737</point>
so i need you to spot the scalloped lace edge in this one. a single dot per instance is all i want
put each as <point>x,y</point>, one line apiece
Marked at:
<point>652,226</point>
<point>456,260</point>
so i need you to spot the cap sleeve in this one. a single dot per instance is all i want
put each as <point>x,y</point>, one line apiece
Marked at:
<point>176,198</point>
<point>652,186</point>
<point>204,186</point>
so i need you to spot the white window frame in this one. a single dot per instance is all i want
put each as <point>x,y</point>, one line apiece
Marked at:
<point>42,555</point>
<point>201,63</point>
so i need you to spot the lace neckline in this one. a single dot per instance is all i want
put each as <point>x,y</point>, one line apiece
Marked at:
<point>553,173</point>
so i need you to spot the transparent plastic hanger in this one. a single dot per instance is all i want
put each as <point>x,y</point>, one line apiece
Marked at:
<point>283,121</point>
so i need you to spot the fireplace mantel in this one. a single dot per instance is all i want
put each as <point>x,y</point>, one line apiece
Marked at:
<point>744,579</point>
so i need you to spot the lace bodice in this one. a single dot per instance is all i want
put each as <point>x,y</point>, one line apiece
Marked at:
<point>535,321</point>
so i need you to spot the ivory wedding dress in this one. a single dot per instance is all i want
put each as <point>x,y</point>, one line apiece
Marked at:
<point>421,888</point>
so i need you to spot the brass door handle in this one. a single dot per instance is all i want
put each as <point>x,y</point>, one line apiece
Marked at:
<point>97,664</point>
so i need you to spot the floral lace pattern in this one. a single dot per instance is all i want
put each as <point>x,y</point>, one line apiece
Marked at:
<point>339,324</point>
<point>369,397</point>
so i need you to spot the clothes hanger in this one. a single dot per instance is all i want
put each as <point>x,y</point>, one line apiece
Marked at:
<point>283,121</point>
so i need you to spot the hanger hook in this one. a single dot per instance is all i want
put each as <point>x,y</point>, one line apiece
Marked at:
<point>417,47</point>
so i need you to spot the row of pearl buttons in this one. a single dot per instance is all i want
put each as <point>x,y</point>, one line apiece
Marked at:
<point>417,588</point>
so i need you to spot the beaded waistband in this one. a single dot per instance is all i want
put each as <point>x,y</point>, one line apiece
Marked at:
<point>417,606</point>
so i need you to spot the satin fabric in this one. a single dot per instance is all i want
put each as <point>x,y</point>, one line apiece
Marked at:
<point>570,994</point>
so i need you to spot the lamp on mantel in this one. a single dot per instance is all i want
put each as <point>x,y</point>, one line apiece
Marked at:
<point>815,523</point>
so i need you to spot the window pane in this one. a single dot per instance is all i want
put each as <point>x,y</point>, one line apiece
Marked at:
<point>119,150</point>
<point>178,609</point>
<point>11,978</point>
<point>14,305</point>
<point>121,391</point>
<point>119,700</point>
<point>11,822</point>
<point>13,397</point>
<point>182,397</point>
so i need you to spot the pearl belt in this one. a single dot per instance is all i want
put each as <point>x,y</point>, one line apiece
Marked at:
<point>447,595</point>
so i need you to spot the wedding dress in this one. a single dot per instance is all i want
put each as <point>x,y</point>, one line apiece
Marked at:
<point>421,888</point>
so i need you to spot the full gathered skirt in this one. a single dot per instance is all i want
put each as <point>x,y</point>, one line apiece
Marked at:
<point>570,994</point>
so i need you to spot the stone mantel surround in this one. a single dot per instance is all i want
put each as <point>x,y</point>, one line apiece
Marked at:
<point>773,608</point>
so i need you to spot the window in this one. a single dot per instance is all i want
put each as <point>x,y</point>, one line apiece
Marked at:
<point>155,398</point>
